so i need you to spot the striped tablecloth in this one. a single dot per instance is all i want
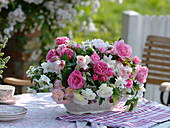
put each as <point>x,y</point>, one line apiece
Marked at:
<point>149,114</point>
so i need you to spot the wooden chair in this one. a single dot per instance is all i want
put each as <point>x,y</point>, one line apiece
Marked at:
<point>156,57</point>
<point>19,83</point>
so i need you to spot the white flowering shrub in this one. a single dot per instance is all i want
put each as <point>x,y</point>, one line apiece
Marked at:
<point>30,16</point>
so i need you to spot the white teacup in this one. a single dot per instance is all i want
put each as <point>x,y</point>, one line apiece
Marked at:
<point>6,92</point>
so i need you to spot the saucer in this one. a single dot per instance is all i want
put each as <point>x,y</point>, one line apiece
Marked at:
<point>12,118</point>
<point>11,101</point>
<point>10,112</point>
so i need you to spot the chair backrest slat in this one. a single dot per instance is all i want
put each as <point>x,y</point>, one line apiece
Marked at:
<point>156,56</point>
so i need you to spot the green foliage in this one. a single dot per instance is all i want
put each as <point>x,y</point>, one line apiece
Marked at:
<point>116,94</point>
<point>131,103</point>
<point>65,57</point>
<point>101,100</point>
<point>65,74</point>
<point>3,61</point>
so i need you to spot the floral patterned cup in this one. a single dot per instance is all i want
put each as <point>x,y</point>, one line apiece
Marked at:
<point>6,92</point>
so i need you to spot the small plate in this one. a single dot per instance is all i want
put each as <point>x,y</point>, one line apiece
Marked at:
<point>11,110</point>
<point>10,118</point>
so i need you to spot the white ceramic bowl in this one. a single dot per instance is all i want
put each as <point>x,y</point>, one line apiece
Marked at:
<point>6,92</point>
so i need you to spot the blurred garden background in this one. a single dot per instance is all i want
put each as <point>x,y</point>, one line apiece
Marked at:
<point>44,20</point>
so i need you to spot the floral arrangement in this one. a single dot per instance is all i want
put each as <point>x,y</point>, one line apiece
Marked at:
<point>90,71</point>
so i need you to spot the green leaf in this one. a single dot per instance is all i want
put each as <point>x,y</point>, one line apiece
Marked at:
<point>1,54</point>
<point>90,80</point>
<point>112,80</point>
<point>136,87</point>
<point>65,57</point>
<point>128,102</point>
<point>78,90</point>
<point>89,51</point>
<point>6,59</point>
<point>79,51</point>
<point>116,94</point>
<point>101,100</point>
<point>70,64</point>
<point>131,107</point>
<point>65,74</point>
<point>115,98</point>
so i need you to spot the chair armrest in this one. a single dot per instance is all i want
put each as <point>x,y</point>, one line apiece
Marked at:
<point>15,81</point>
<point>165,86</point>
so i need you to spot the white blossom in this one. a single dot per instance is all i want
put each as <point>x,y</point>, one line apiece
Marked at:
<point>104,91</point>
<point>43,81</point>
<point>89,26</point>
<point>88,94</point>
<point>47,66</point>
<point>34,1</point>
<point>7,31</point>
<point>79,99</point>
<point>30,71</point>
<point>98,43</point>
<point>141,90</point>
<point>16,16</point>
<point>83,61</point>
<point>120,82</point>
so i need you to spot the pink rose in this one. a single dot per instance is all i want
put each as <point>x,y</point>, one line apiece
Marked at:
<point>122,50</point>
<point>62,40</point>
<point>77,46</point>
<point>81,61</point>
<point>75,80</point>
<point>58,94</point>
<point>67,51</point>
<point>122,71</point>
<point>129,83</point>
<point>100,68</point>
<point>136,60</point>
<point>57,84</point>
<point>111,51</point>
<point>110,72</point>
<point>51,55</point>
<point>60,48</point>
<point>102,50</point>
<point>103,78</point>
<point>130,76</point>
<point>95,77</point>
<point>60,101</point>
<point>69,92</point>
<point>142,73</point>
<point>95,57</point>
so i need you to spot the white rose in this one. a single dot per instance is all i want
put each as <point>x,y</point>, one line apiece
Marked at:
<point>79,99</point>
<point>88,94</point>
<point>82,61</point>
<point>104,91</point>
